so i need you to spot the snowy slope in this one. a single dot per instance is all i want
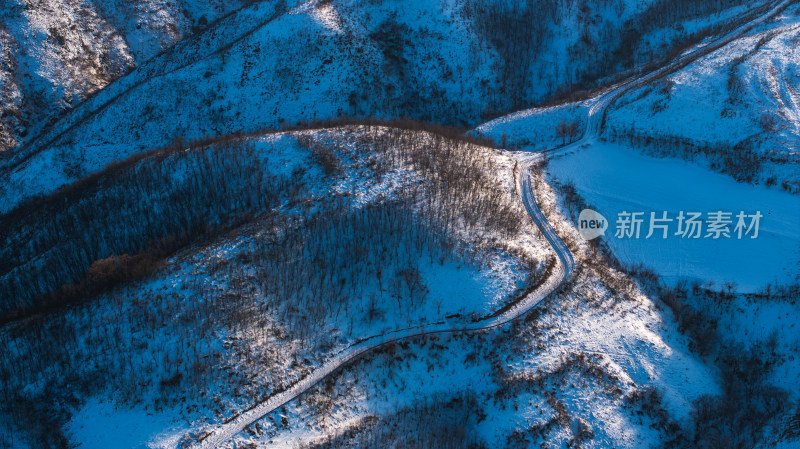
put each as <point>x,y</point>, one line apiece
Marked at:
<point>228,320</point>
<point>56,53</point>
<point>575,361</point>
<point>441,61</point>
<point>743,96</point>
<point>615,179</point>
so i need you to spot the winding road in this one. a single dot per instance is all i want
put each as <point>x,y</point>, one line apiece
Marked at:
<point>562,272</point>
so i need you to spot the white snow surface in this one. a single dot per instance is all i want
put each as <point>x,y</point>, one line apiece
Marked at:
<point>613,178</point>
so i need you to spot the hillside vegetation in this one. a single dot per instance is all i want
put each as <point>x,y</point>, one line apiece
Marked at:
<point>54,54</point>
<point>735,110</point>
<point>451,63</point>
<point>196,262</point>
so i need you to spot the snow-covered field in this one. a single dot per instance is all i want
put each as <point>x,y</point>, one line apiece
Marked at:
<point>613,178</point>
<point>106,425</point>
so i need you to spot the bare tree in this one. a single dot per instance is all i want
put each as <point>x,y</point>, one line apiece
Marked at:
<point>562,131</point>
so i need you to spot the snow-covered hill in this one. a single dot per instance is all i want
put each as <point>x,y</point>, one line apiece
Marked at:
<point>276,63</point>
<point>56,53</point>
<point>215,223</point>
<point>291,246</point>
<point>600,365</point>
<point>735,109</point>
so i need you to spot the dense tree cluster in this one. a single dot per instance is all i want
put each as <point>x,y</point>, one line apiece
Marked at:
<point>520,31</point>
<point>131,216</point>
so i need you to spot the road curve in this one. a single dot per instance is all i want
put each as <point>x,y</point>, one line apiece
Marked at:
<point>564,266</point>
